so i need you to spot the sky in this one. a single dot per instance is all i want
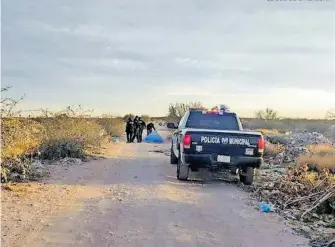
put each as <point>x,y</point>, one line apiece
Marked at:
<point>127,56</point>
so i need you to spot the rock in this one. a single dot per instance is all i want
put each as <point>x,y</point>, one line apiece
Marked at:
<point>71,161</point>
<point>14,176</point>
<point>305,230</point>
<point>37,164</point>
<point>319,243</point>
<point>269,185</point>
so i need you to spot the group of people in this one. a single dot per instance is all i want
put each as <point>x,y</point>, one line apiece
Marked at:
<point>135,128</point>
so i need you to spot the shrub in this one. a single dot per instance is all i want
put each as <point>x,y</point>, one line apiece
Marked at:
<point>19,136</point>
<point>66,133</point>
<point>277,139</point>
<point>267,132</point>
<point>272,149</point>
<point>57,149</point>
<point>146,118</point>
<point>127,116</point>
<point>20,139</point>
<point>318,161</point>
<point>112,126</point>
<point>266,114</point>
<point>322,149</point>
<point>55,137</point>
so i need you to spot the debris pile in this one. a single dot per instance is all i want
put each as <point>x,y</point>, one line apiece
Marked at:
<point>294,145</point>
<point>305,198</point>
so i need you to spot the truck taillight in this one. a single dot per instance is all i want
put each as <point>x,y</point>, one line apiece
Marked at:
<point>187,141</point>
<point>261,144</point>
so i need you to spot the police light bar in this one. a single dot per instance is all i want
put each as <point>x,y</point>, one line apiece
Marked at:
<point>218,109</point>
<point>224,108</point>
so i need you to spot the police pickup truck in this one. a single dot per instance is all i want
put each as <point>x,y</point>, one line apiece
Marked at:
<point>215,141</point>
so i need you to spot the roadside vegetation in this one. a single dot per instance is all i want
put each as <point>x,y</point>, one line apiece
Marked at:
<point>70,133</point>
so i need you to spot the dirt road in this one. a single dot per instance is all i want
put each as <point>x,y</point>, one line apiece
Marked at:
<point>140,203</point>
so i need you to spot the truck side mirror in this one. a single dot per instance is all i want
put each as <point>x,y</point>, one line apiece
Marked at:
<point>172,126</point>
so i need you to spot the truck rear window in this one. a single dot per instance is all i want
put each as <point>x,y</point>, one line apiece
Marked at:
<point>198,120</point>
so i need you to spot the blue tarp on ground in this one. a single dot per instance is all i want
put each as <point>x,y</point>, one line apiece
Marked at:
<point>154,137</point>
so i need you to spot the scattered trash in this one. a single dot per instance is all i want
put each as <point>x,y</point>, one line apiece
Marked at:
<point>115,139</point>
<point>265,207</point>
<point>166,152</point>
<point>305,197</point>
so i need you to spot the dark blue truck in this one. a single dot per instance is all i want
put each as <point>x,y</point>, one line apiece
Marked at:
<point>215,141</point>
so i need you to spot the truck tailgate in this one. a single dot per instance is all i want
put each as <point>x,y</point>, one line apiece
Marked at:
<point>229,143</point>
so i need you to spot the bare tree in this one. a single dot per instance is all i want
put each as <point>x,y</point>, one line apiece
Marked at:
<point>268,114</point>
<point>178,110</point>
<point>8,104</point>
<point>70,111</point>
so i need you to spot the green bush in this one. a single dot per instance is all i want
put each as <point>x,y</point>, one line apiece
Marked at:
<point>58,149</point>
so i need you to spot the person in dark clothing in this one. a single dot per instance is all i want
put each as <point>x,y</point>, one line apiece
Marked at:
<point>136,129</point>
<point>130,130</point>
<point>142,125</point>
<point>150,127</point>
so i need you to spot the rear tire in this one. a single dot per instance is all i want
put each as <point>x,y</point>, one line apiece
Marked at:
<point>182,171</point>
<point>173,158</point>
<point>247,176</point>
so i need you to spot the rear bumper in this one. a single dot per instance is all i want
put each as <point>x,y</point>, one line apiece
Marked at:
<point>209,161</point>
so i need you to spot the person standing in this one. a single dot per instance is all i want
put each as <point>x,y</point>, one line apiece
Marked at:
<point>136,129</point>
<point>142,125</point>
<point>150,127</point>
<point>130,130</point>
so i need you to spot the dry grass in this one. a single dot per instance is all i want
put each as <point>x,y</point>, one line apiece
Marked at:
<point>53,138</point>
<point>323,156</point>
<point>272,149</point>
<point>267,132</point>
<point>318,161</point>
<point>19,136</point>
<point>322,149</point>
